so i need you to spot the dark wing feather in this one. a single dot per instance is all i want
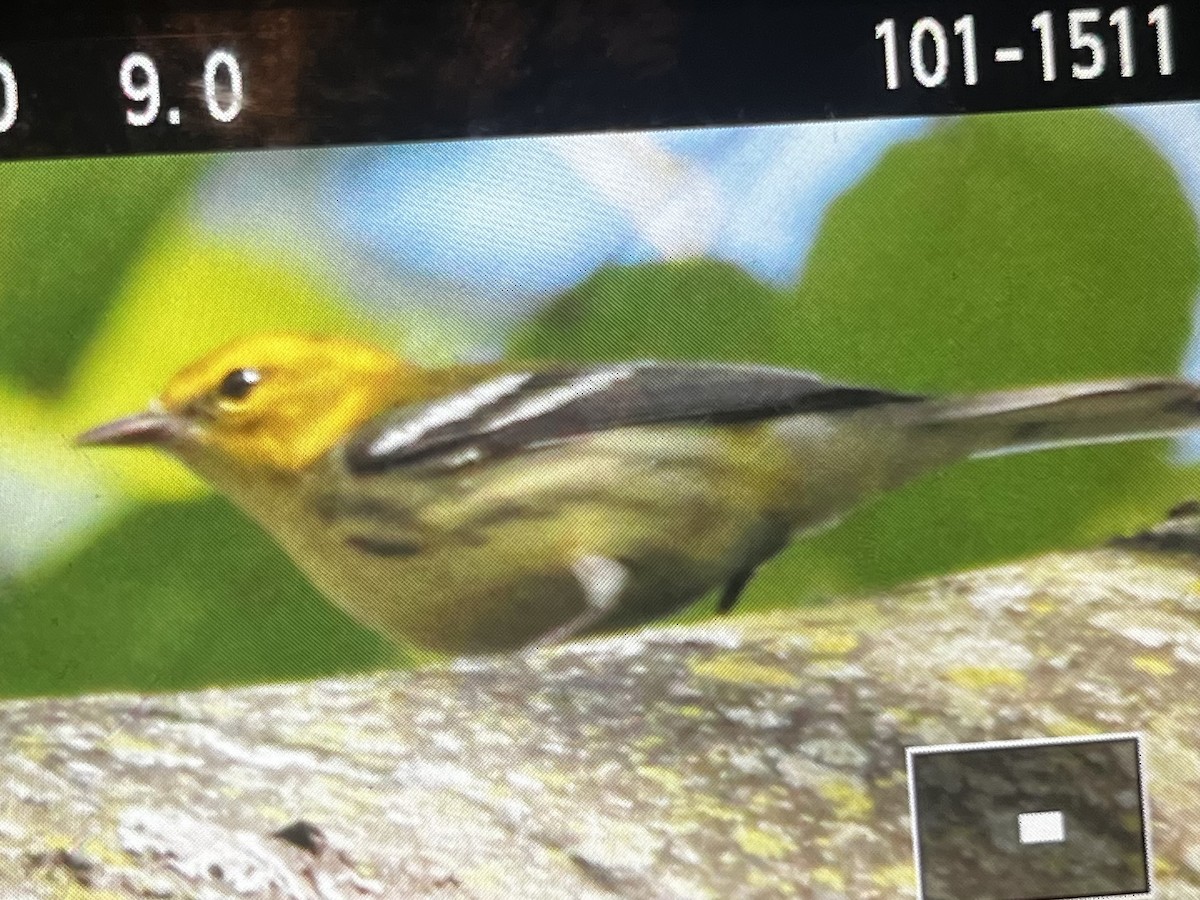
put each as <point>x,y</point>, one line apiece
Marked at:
<point>512,413</point>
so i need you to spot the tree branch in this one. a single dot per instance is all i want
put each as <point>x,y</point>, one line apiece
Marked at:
<point>752,756</point>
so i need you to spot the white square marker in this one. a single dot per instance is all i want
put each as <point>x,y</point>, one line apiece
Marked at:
<point>1042,827</point>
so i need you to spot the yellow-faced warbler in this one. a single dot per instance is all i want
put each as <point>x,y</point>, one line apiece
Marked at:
<point>487,507</point>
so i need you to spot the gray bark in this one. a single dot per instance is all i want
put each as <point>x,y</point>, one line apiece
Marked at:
<point>756,756</point>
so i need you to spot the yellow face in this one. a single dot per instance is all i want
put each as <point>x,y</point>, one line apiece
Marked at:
<point>273,401</point>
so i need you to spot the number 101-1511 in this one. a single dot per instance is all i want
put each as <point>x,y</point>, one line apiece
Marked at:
<point>1090,36</point>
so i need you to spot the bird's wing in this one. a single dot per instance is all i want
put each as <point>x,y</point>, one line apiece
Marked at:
<point>520,410</point>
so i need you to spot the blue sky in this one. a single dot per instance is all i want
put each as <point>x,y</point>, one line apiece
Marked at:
<point>495,226</point>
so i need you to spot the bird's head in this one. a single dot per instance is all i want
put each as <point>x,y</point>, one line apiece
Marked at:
<point>268,404</point>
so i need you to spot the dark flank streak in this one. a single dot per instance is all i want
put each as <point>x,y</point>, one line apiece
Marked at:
<point>475,532</point>
<point>326,507</point>
<point>381,547</point>
<point>509,512</point>
<point>331,507</point>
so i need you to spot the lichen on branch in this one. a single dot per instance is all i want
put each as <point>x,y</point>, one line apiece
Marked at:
<point>756,756</point>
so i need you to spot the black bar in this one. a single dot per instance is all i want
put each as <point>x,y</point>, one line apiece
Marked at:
<point>316,74</point>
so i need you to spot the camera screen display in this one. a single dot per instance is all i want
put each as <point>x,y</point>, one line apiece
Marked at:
<point>788,508</point>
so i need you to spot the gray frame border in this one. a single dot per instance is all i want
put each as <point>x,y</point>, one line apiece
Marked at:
<point>1143,790</point>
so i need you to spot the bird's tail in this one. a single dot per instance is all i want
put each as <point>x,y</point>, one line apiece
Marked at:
<point>1014,421</point>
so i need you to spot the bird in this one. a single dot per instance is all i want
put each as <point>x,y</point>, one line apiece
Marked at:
<point>493,507</point>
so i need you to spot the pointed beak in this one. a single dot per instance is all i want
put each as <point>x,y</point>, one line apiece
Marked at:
<point>143,429</point>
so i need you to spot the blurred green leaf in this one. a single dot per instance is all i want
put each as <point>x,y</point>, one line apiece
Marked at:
<point>1000,251</point>
<point>69,232</point>
<point>693,309</point>
<point>171,596</point>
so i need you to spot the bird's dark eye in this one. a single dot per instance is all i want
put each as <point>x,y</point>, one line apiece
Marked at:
<point>238,383</point>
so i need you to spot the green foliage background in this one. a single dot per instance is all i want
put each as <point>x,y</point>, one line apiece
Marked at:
<point>991,251</point>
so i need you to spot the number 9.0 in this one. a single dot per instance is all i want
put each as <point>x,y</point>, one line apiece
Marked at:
<point>223,90</point>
